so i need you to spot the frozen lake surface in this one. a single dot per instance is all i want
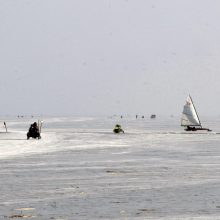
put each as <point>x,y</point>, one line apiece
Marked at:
<point>81,170</point>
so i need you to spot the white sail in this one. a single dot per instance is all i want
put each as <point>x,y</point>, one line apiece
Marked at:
<point>189,116</point>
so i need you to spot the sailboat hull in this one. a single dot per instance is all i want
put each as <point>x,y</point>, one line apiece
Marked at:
<point>197,129</point>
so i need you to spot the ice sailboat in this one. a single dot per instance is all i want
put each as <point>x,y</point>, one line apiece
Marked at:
<point>190,119</point>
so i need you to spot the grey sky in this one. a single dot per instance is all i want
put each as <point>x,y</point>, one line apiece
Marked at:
<point>103,57</point>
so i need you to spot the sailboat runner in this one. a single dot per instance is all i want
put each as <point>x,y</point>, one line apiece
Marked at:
<point>190,118</point>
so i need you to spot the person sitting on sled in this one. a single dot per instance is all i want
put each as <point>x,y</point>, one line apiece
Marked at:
<point>118,129</point>
<point>33,131</point>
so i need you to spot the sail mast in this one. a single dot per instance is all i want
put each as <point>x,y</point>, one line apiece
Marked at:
<point>195,110</point>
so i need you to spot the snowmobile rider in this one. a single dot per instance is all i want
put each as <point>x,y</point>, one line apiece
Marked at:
<point>33,131</point>
<point>118,129</point>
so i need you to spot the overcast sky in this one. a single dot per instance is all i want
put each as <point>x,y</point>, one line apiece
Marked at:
<point>103,57</point>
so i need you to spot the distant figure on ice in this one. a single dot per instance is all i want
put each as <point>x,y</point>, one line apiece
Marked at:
<point>33,131</point>
<point>153,116</point>
<point>118,129</point>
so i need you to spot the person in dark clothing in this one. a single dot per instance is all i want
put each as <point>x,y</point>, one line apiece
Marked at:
<point>189,128</point>
<point>118,129</point>
<point>33,131</point>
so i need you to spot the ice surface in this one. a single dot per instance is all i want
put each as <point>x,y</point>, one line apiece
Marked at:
<point>81,170</point>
